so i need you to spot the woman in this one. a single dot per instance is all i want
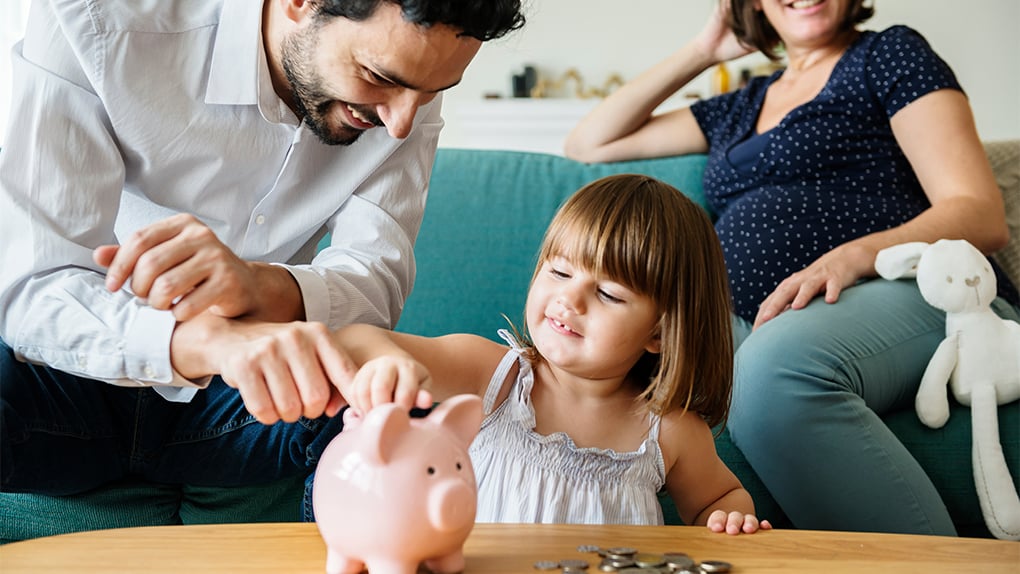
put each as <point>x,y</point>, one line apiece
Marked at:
<point>864,141</point>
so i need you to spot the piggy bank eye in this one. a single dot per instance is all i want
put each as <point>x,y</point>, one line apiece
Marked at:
<point>432,470</point>
<point>458,466</point>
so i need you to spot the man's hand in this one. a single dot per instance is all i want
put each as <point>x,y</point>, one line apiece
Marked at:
<point>282,370</point>
<point>179,264</point>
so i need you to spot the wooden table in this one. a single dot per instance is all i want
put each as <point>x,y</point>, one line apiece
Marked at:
<point>296,548</point>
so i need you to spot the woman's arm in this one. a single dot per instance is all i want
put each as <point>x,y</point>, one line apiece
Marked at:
<point>411,370</point>
<point>937,134</point>
<point>622,127</point>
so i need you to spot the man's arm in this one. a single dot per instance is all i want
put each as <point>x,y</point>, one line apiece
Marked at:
<point>61,176</point>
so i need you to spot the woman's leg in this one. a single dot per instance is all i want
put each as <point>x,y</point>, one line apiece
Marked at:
<point>809,389</point>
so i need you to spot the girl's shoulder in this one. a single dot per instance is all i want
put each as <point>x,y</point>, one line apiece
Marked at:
<point>685,436</point>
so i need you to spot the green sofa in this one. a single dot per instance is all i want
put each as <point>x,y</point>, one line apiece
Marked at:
<point>486,214</point>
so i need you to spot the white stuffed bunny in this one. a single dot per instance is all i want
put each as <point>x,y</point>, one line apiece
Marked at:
<point>979,359</point>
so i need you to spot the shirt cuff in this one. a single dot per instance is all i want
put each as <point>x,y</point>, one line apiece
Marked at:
<point>314,293</point>
<point>147,355</point>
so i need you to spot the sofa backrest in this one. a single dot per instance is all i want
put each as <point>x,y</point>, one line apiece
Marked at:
<point>487,211</point>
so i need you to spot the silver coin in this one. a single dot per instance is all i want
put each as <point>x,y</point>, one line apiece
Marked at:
<point>573,570</point>
<point>588,548</point>
<point>547,565</point>
<point>574,563</point>
<point>621,551</point>
<point>715,566</point>
<point>619,562</point>
<point>676,561</point>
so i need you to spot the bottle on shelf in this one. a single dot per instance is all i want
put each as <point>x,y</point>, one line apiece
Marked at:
<point>720,79</point>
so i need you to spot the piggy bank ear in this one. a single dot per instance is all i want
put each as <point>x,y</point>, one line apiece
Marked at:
<point>461,414</point>
<point>900,260</point>
<point>381,430</point>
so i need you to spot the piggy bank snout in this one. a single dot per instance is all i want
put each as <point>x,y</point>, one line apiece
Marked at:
<point>452,505</point>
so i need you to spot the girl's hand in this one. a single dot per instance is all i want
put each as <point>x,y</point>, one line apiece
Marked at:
<point>830,274</point>
<point>736,522</point>
<point>389,379</point>
<point>716,40</point>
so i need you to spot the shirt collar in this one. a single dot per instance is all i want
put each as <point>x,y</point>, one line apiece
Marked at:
<point>234,69</point>
<point>239,70</point>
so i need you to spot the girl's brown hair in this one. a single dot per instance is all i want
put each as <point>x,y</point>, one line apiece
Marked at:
<point>645,234</point>
<point>753,29</point>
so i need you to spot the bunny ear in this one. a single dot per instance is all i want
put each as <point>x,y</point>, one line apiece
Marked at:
<point>900,260</point>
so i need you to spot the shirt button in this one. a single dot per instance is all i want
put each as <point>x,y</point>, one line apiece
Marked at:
<point>260,220</point>
<point>82,361</point>
<point>150,372</point>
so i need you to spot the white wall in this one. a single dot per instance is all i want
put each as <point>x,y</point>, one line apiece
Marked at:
<point>980,40</point>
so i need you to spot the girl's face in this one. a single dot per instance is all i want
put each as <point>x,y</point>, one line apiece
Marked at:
<point>586,325</point>
<point>806,23</point>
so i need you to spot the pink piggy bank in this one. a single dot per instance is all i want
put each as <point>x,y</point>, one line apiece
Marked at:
<point>392,492</point>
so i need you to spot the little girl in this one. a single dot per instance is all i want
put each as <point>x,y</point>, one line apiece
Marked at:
<point>625,367</point>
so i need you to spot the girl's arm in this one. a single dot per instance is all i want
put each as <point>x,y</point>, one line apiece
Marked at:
<point>411,370</point>
<point>622,127</point>
<point>703,488</point>
<point>937,134</point>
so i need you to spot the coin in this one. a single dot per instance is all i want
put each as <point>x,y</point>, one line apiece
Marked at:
<point>676,561</point>
<point>588,548</point>
<point>574,563</point>
<point>621,551</point>
<point>716,566</point>
<point>648,560</point>
<point>547,565</point>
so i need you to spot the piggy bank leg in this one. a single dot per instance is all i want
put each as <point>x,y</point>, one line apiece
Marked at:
<point>337,563</point>
<point>449,564</point>
<point>391,566</point>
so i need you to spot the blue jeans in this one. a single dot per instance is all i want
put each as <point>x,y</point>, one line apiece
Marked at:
<point>61,434</point>
<point>810,387</point>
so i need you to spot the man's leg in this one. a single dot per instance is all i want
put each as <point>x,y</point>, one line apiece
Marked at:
<point>59,434</point>
<point>809,389</point>
<point>214,441</point>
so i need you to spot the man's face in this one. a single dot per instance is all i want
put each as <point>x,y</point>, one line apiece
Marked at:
<point>347,76</point>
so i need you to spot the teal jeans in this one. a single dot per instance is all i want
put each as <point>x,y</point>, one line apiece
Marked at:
<point>810,387</point>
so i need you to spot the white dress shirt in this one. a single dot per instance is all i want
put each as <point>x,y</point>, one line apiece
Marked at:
<point>125,113</point>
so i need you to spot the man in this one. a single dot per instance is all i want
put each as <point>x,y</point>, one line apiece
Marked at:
<point>167,167</point>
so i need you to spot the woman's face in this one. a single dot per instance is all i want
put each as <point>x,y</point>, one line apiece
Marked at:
<point>805,23</point>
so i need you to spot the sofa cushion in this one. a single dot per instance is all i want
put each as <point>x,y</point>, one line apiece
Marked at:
<point>136,503</point>
<point>1005,159</point>
<point>486,214</point>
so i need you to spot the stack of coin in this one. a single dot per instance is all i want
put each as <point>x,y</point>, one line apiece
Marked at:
<point>630,560</point>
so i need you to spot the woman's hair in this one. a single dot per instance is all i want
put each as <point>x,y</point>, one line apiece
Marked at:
<point>753,29</point>
<point>646,235</point>
<point>481,19</point>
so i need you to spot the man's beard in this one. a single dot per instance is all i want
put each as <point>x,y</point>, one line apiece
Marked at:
<point>308,94</point>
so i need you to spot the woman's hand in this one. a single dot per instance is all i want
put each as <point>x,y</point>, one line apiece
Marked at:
<point>830,274</point>
<point>716,40</point>
<point>389,379</point>
<point>736,522</point>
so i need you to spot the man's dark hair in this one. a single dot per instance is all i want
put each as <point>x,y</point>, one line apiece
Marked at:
<point>754,30</point>
<point>481,19</point>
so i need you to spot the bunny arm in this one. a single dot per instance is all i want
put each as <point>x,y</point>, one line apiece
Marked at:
<point>932,400</point>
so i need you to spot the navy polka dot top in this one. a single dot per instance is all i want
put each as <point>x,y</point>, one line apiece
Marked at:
<point>829,172</point>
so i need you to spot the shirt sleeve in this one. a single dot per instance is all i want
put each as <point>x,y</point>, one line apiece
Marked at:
<point>902,67</point>
<point>61,177</point>
<point>368,269</point>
